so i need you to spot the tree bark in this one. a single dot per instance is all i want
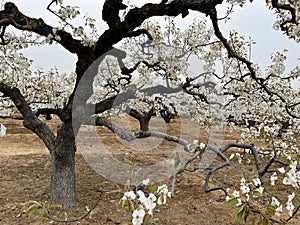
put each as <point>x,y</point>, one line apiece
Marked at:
<point>144,123</point>
<point>63,181</point>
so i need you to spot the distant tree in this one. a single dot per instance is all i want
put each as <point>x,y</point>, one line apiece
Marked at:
<point>114,69</point>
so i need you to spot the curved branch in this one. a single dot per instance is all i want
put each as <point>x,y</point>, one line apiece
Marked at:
<point>140,32</point>
<point>61,113</point>
<point>289,8</point>
<point>116,100</point>
<point>137,16</point>
<point>182,169</point>
<point>231,52</point>
<point>131,136</point>
<point>31,121</point>
<point>215,169</point>
<point>12,16</point>
<point>219,152</point>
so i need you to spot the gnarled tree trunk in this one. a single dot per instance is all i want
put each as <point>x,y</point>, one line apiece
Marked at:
<point>144,123</point>
<point>63,181</point>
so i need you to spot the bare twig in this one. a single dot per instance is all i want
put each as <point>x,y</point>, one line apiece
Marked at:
<point>182,169</point>
<point>51,217</point>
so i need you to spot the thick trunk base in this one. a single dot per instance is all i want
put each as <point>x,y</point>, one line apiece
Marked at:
<point>62,187</point>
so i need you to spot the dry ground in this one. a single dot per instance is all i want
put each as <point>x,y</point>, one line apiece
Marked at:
<point>25,175</point>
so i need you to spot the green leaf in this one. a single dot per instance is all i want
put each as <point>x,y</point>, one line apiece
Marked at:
<point>257,193</point>
<point>152,188</point>
<point>271,210</point>
<point>32,212</point>
<point>265,222</point>
<point>241,213</point>
<point>41,213</point>
<point>232,201</point>
<point>246,214</point>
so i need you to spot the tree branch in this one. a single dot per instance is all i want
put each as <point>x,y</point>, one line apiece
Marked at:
<point>108,103</point>
<point>31,121</point>
<point>137,16</point>
<point>61,113</point>
<point>131,136</point>
<point>12,16</point>
<point>289,8</point>
<point>182,169</point>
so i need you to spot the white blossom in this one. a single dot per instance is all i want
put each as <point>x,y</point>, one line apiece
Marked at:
<point>278,206</point>
<point>273,178</point>
<point>138,216</point>
<point>256,182</point>
<point>292,176</point>
<point>289,204</point>
<point>130,195</point>
<point>281,170</point>
<point>146,181</point>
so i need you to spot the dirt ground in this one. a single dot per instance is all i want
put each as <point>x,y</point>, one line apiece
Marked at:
<point>25,175</point>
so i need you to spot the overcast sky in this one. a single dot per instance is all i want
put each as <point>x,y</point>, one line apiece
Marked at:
<point>253,20</point>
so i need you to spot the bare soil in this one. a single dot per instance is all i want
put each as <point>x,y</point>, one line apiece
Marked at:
<point>25,175</point>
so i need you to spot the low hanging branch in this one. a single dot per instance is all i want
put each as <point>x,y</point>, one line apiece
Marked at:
<point>30,120</point>
<point>131,136</point>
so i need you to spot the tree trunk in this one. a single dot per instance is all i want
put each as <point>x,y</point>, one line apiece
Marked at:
<point>144,123</point>
<point>62,187</point>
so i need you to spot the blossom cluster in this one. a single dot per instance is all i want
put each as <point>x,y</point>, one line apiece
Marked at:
<point>142,204</point>
<point>292,175</point>
<point>247,190</point>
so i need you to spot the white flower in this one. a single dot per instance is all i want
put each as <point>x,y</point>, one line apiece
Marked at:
<point>273,178</point>
<point>138,216</point>
<point>291,197</point>
<point>292,176</point>
<point>146,182</point>
<point>162,189</point>
<point>236,194</point>
<point>289,204</point>
<point>256,182</point>
<point>150,204</point>
<point>142,197</point>
<point>130,195</point>
<point>163,193</point>
<point>227,198</point>
<point>49,38</point>
<point>275,202</point>
<point>244,187</point>
<point>57,38</point>
<point>202,146</point>
<point>278,210</point>
<point>260,189</point>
